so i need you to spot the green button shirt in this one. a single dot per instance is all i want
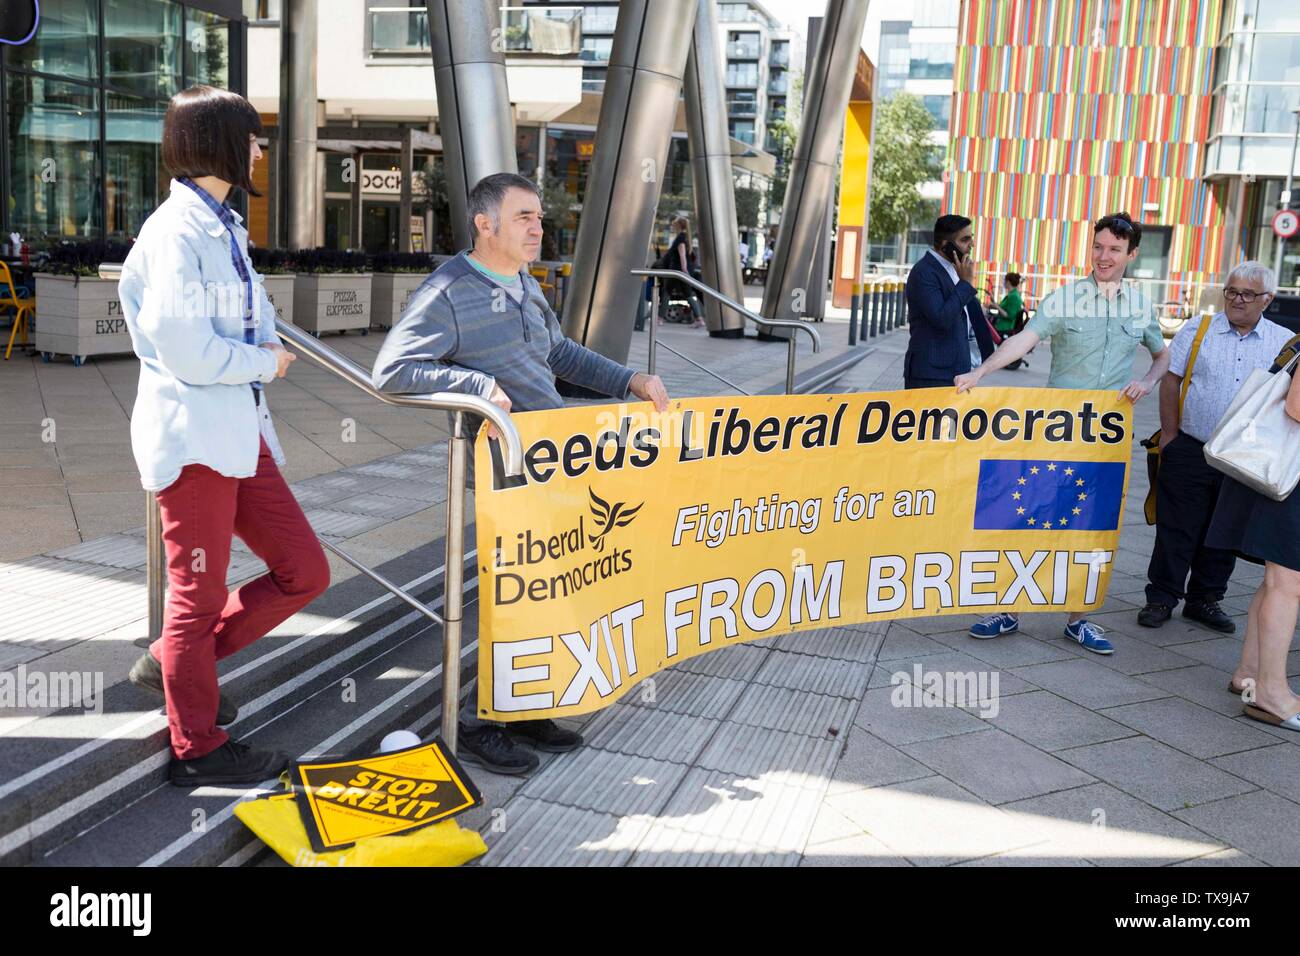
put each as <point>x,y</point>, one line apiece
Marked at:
<point>1094,337</point>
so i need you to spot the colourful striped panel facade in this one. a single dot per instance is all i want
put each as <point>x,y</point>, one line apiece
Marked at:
<point>1065,110</point>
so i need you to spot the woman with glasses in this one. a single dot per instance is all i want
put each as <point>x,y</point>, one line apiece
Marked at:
<point>202,437</point>
<point>1266,532</point>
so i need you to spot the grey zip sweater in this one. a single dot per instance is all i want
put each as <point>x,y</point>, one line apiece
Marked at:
<point>461,332</point>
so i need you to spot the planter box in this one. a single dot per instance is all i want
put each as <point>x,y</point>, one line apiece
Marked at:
<point>389,294</point>
<point>332,302</point>
<point>279,289</point>
<point>79,316</point>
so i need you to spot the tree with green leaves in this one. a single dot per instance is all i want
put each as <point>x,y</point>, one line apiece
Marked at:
<point>904,160</point>
<point>748,203</point>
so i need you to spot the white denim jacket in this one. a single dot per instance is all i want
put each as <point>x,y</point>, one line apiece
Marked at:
<point>183,303</point>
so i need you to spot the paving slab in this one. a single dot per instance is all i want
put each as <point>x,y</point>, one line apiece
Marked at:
<point>1262,824</point>
<point>1188,727</point>
<point>1151,771</point>
<point>1051,723</point>
<point>996,766</point>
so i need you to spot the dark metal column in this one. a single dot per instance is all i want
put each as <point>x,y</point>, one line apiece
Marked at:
<point>715,198</point>
<point>644,77</point>
<point>474,115</point>
<point>297,122</point>
<point>813,169</point>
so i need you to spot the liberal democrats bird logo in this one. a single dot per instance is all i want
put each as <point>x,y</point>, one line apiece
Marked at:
<point>608,518</point>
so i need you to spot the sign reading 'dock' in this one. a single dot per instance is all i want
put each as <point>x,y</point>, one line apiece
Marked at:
<point>636,540</point>
<point>384,795</point>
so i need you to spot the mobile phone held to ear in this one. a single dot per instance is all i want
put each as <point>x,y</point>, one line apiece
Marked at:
<point>952,252</point>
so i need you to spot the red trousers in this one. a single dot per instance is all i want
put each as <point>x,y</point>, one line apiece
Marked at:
<point>204,622</point>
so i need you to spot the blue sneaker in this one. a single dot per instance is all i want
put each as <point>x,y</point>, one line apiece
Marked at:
<point>1090,636</point>
<point>994,625</point>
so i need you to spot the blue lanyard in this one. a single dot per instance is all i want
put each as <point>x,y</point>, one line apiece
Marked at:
<point>222,212</point>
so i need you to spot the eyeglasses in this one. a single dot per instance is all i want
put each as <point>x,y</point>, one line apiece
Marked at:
<point>1241,295</point>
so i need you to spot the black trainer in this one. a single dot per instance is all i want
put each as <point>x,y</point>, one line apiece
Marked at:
<point>546,735</point>
<point>231,763</point>
<point>1154,614</point>
<point>147,673</point>
<point>1211,615</point>
<point>491,747</point>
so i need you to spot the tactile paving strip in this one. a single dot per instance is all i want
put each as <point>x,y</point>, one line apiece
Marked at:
<point>844,643</point>
<point>780,708</point>
<point>533,833</point>
<point>737,749</point>
<point>765,811</point>
<point>341,524</point>
<point>817,675</point>
<point>378,506</point>
<point>681,692</point>
<point>649,733</point>
<point>606,782</point>
<point>739,662</point>
<point>114,550</point>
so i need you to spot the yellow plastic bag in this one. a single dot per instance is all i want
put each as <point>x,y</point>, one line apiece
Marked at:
<point>277,822</point>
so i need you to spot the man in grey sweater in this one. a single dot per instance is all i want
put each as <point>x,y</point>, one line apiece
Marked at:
<point>480,325</point>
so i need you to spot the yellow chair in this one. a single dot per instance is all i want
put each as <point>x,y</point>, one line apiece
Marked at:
<point>23,307</point>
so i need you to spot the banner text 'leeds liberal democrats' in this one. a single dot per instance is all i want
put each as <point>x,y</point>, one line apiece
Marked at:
<point>637,540</point>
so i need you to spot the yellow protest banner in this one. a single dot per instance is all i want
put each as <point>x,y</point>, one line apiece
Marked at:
<point>637,540</point>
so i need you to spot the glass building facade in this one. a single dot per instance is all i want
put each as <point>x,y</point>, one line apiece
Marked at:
<point>82,103</point>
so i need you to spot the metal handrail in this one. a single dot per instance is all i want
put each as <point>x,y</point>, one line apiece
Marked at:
<point>760,321</point>
<point>458,455</point>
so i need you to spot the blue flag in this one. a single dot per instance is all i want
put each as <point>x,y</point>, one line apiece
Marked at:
<point>1053,495</point>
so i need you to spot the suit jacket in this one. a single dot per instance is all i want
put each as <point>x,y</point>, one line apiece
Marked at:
<point>938,310</point>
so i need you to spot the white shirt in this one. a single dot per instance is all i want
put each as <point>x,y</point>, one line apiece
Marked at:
<point>182,299</point>
<point>1223,364</point>
<point>972,343</point>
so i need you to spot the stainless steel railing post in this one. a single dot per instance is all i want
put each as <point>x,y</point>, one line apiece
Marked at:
<point>458,452</point>
<point>653,322</point>
<point>789,366</point>
<point>155,571</point>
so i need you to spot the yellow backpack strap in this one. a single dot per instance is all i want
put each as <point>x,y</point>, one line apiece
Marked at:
<point>1191,361</point>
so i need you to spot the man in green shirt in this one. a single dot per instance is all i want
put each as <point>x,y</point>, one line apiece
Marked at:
<point>1010,307</point>
<point>1095,325</point>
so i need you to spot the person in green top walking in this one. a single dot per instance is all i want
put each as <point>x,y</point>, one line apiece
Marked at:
<point>1011,307</point>
<point>1095,325</point>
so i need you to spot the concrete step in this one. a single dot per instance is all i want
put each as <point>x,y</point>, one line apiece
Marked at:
<point>66,773</point>
<point>820,377</point>
<point>394,688</point>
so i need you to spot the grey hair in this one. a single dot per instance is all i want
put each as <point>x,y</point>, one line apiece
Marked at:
<point>486,196</point>
<point>1252,270</point>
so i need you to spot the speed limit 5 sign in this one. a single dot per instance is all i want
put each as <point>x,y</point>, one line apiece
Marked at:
<point>1286,223</point>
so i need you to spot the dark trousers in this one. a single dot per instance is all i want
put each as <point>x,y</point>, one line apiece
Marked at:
<point>1186,492</point>
<point>927,382</point>
<point>203,621</point>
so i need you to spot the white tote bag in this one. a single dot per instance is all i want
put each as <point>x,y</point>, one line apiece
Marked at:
<point>1257,442</point>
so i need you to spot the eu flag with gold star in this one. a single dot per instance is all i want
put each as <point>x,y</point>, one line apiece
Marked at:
<point>1052,495</point>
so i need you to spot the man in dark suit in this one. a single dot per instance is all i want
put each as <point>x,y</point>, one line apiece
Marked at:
<point>944,310</point>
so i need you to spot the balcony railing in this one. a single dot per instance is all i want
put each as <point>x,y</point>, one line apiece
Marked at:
<point>743,51</point>
<point>742,109</point>
<point>778,85</point>
<point>397,30</point>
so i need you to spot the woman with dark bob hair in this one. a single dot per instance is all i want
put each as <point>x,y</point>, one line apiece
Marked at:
<point>201,434</point>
